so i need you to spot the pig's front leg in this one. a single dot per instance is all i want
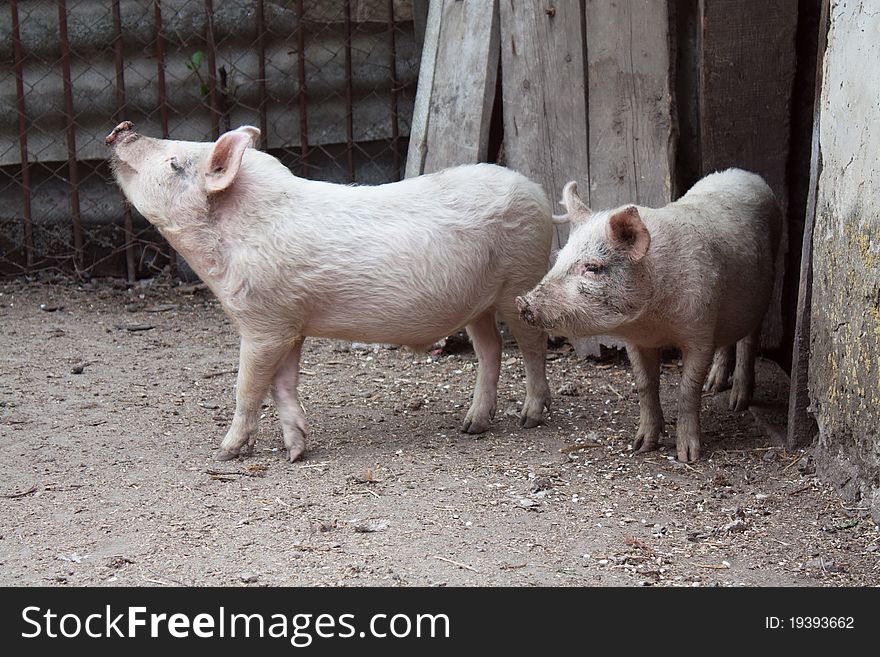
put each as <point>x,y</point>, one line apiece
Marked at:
<point>646,369</point>
<point>486,339</point>
<point>532,343</point>
<point>257,364</point>
<point>286,396</point>
<point>696,359</point>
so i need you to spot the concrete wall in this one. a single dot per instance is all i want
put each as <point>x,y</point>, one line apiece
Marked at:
<point>845,337</point>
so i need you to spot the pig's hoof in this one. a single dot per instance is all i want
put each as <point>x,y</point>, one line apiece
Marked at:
<point>647,440</point>
<point>740,397</point>
<point>295,445</point>
<point>225,454</point>
<point>688,449</point>
<point>474,426</point>
<point>644,444</point>
<point>716,384</point>
<point>532,414</point>
<point>530,421</point>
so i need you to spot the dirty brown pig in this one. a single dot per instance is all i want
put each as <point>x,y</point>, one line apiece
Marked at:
<point>697,274</point>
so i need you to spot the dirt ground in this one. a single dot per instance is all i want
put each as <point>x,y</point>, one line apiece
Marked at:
<point>112,401</point>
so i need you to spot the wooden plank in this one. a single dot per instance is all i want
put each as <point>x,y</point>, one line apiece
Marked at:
<point>629,110</point>
<point>798,176</point>
<point>631,145</point>
<point>748,60</point>
<point>802,428</point>
<point>418,138</point>
<point>748,65</point>
<point>543,64</point>
<point>454,129</point>
<point>464,84</point>
<point>544,100</point>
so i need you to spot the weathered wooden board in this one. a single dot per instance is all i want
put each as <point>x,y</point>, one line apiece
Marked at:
<point>457,91</point>
<point>631,149</point>
<point>802,426</point>
<point>545,106</point>
<point>544,102</point>
<point>629,83</point>
<point>418,137</point>
<point>748,60</point>
<point>748,65</point>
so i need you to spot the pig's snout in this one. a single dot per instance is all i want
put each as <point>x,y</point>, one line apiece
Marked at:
<point>526,312</point>
<point>122,129</point>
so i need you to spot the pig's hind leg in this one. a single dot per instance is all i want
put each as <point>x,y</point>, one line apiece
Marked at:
<point>483,331</point>
<point>257,363</point>
<point>532,343</point>
<point>646,370</point>
<point>744,375</point>
<point>722,368</point>
<point>290,410</point>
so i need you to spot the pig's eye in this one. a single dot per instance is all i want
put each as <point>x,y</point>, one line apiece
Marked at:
<point>592,268</point>
<point>175,165</point>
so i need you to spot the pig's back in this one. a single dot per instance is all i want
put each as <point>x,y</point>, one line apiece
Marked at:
<point>720,240</point>
<point>423,256</point>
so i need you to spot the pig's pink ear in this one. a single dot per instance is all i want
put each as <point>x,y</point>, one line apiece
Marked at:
<point>577,209</point>
<point>225,159</point>
<point>627,231</point>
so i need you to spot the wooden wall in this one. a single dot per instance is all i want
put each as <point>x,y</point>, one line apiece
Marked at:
<point>634,99</point>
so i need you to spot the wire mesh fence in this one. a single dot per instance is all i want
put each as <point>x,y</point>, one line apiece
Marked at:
<point>330,84</point>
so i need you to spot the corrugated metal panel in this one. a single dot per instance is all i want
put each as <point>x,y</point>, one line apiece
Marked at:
<point>90,27</point>
<point>370,96</point>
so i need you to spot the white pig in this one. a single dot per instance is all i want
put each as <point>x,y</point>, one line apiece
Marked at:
<point>404,263</point>
<point>696,274</point>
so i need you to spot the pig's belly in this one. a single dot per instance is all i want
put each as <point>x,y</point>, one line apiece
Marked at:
<point>413,322</point>
<point>743,309</point>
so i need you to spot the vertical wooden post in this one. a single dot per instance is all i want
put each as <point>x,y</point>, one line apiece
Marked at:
<point>22,139</point>
<point>747,66</point>
<point>747,70</point>
<point>462,88</point>
<point>631,139</point>
<point>418,138</point>
<point>544,96</point>
<point>802,427</point>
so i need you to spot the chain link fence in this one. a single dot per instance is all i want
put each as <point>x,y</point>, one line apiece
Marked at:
<point>330,83</point>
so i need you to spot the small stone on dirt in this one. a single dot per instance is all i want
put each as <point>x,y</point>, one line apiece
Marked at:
<point>735,526</point>
<point>248,578</point>
<point>542,483</point>
<point>806,467</point>
<point>118,561</point>
<point>568,389</point>
<point>825,565</point>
